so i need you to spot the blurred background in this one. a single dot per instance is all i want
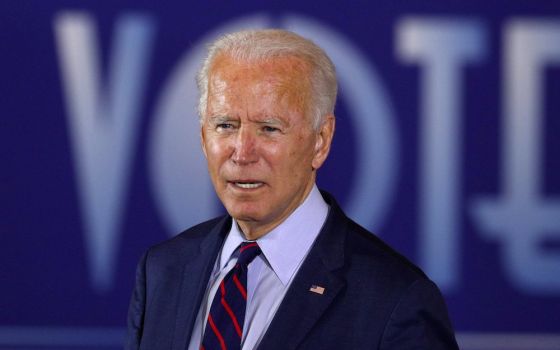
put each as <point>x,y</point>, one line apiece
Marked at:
<point>446,147</point>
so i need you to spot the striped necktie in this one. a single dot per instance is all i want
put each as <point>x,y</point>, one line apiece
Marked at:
<point>224,326</point>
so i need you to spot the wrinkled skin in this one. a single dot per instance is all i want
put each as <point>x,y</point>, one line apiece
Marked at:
<point>258,139</point>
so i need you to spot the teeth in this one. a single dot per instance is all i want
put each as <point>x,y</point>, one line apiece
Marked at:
<point>248,184</point>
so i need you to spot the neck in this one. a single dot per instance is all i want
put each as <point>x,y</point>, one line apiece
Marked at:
<point>253,231</point>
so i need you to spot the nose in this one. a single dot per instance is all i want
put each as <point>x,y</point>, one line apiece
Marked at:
<point>245,147</point>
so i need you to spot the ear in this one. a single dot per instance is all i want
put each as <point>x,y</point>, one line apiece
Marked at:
<point>323,142</point>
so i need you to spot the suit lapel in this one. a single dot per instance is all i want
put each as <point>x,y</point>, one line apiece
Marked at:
<point>302,308</point>
<point>198,266</point>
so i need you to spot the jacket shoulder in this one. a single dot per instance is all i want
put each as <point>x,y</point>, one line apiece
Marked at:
<point>187,239</point>
<point>370,253</point>
<point>365,254</point>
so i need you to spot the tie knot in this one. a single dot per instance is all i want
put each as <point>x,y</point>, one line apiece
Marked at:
<point>247,252</point>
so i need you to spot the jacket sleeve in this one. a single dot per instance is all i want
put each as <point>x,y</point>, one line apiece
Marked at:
<point>419,321</point>
<point>137,307</point>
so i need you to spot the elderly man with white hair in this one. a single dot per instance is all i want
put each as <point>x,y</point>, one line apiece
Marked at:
<point>285,269</point>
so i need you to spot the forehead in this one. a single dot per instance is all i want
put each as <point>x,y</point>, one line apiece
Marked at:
<point>286,77</point>
<point>291,65</point>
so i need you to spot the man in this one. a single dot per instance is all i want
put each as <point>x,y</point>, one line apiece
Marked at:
<point>315,279</point>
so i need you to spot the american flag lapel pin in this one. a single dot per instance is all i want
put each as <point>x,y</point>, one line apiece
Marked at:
<point>317,289</point>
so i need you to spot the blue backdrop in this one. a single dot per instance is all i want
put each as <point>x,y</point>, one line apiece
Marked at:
<point>446,147</point>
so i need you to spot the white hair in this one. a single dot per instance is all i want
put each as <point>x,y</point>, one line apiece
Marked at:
<point>262,45</point>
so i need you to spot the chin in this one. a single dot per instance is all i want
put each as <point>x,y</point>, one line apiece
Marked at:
<point>245,212</point>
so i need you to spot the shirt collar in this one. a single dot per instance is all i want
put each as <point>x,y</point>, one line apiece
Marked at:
<point>286,245</point>
<point>234,238</point>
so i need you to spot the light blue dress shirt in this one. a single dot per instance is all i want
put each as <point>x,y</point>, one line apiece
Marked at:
<point>270,274</point>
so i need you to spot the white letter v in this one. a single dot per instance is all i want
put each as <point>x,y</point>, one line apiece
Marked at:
<point>102,125</point>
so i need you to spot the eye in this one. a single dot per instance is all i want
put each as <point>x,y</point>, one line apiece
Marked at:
<point>224,126</point>
<point>270,129</point>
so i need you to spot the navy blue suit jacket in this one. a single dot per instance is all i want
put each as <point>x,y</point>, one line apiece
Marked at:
<point>374,298</point>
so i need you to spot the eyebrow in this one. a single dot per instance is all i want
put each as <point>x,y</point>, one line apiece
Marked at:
<point>272,120</point>
<point>220,118</point>
<point>269,120</point>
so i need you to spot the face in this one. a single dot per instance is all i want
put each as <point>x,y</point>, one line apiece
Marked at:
<point>261,148</point>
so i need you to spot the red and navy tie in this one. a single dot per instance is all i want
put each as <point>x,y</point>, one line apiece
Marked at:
<point>224,327</point>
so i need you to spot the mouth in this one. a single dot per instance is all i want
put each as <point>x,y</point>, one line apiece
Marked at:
<point>247,185</point>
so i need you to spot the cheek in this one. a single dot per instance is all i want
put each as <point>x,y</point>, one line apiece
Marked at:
<point>216,148</point>
<point>215,157</point>
<point>290,161</point>
<point>213,149</point>
<point>272,152</point>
